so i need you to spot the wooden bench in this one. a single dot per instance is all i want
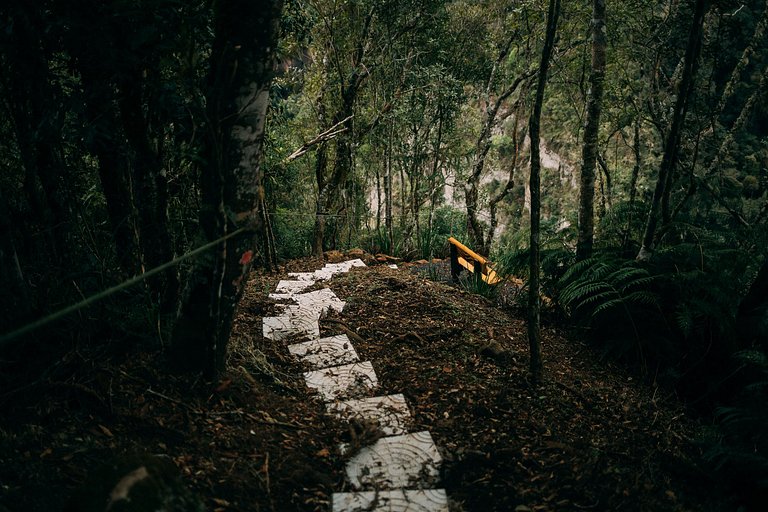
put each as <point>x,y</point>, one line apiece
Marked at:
<point>464,258</point>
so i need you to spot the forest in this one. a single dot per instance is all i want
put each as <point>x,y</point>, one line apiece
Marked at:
<point>163,162</point>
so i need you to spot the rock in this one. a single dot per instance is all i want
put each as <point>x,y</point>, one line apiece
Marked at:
<point>385,258</point>
<point>496,352</point>
<point>356,253</point>
<point>137,483</point>
<point>334,256</point>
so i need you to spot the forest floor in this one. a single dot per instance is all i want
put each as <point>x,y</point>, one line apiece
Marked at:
<point>593,437</point>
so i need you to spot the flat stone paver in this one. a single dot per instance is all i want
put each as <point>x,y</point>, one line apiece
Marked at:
<point>324,300</point>
<point>280,328</point>
<point>301,276</point>
<point>342,382</point>
<point>408,461</point>
<point>293,286</point>
<point>325,352</point>
<point>390,412</point>
<point>426,500</point>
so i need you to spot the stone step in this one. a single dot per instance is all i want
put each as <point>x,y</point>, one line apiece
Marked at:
<point>286,327</point>
<point>426,500</point>
<point>332,269</point>
<point>301,276</point>
<point>408,461</point>
<point>293,286</point>
<point>323,300</point>
<point>325,352</point>
<point>390,413</point>
<point>343,382</point>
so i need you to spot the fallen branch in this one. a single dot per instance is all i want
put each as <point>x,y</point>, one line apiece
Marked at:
<point>327,135</point>
<point>344,327</point>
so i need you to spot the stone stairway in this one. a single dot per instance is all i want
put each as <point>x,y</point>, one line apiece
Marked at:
<point>397,472</point>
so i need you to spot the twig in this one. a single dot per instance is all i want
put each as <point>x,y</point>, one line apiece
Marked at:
<point>166,397</point>
<point>276,423</point>
<point>344,327</point>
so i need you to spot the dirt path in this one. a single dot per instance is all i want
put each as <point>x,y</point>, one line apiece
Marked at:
<point>593,438</point>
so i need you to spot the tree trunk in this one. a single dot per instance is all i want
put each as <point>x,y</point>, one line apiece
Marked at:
<point>591,130</point>
<point>38,120</point>
<point>150,192</point>
<point>11,275</point>
<point>104,140</point>
<point>534,300</point>
<point>475,228</point>
<point>232,188</point>
<point>672,140</point>
<point>318,233</point>
<point>388,188</point>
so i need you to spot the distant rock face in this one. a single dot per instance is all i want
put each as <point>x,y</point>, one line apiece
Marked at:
<point>135,483</point>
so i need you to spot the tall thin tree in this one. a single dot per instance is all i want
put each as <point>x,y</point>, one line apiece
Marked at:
<point>672,140</point>
<point>534,301</point>
<point>591,130</point>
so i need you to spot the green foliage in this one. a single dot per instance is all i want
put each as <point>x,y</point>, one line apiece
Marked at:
<point>613,297</point>
<point>446,222</point>
<point>473,283</point>
<point>739,453</point>
<point>293,233</point>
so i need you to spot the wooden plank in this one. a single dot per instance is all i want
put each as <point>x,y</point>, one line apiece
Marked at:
<point>467,251</point>
<point>487,273</point>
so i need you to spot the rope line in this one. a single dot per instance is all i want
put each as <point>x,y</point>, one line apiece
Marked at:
<point>21,331</point>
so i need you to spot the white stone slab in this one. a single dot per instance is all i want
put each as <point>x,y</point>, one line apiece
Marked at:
<point>390,412</point>
<point>406,461</point>
<point>426,500</point>
<point>294,310</point>
<point>293,286</point>
<point>281,296</point>
<point>301,276</point>
<point>341,382</point>
<point>286,327</point>
<point>324,300</point>
<point>325,352</point>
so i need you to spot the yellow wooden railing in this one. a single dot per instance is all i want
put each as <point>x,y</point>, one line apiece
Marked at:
<point>462,257</point>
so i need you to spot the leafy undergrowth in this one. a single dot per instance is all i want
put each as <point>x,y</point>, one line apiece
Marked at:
<point>592,438</point>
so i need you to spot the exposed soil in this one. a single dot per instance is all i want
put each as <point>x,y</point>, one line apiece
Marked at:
<point>592,438</point>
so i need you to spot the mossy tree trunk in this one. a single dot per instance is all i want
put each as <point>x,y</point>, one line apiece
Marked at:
<point>232,190</point>
<point>591,129</point>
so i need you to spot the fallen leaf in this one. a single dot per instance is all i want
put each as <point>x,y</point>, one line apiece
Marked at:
<point>106,431</point>
<point>323,453</point>
<point>224,385</point>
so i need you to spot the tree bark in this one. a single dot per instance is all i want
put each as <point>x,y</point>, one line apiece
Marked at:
<point>38,121</point>
<point>534,300</point>
<point>591,131</point>
<point>232,188</point>
<point>672,139</point>
<point>388,188</point>
<point>150,189</point>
